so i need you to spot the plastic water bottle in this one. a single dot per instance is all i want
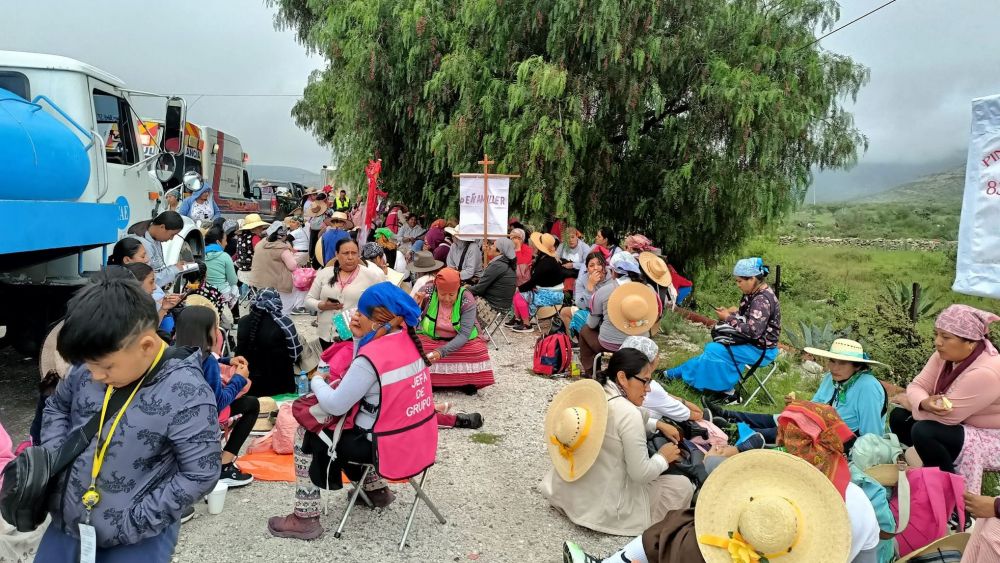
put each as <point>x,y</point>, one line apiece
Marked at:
<point>302,383</point>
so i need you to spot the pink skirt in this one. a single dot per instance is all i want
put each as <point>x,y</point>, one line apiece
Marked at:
<point>470,365</point>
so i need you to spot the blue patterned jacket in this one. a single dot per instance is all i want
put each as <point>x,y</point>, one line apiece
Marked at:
<point>164,455</point>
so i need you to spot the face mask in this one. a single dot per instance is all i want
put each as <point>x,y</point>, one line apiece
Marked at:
<point>158,296</point>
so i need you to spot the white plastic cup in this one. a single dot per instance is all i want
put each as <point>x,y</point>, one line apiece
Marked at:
<point>217,498</point>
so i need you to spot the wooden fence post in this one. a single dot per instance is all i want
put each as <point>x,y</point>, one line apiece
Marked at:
<point>914,301</point>
<point>777,281</point>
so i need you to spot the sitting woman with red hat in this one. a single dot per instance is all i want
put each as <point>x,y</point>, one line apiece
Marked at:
<point>448,334</point>
<point>545,286</point>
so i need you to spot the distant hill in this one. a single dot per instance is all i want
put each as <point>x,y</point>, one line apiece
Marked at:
<point>868,179</point>
<point>285,174</point>
<point>942,187</point>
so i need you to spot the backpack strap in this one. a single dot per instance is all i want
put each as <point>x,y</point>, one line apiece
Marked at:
<point>461,260</point>
<point>902,502</point>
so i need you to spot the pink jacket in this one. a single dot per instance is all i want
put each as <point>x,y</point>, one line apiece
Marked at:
<point>975,395</point>
<point>6,450</point>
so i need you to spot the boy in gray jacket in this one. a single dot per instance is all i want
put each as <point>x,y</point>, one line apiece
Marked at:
<point>151,462</point>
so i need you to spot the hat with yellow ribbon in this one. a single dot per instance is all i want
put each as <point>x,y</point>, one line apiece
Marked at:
<point>574,427</point>
<point>766,505</point>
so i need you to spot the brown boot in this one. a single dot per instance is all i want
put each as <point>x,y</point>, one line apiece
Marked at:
<point>293,526</point>
<point>381,498</point>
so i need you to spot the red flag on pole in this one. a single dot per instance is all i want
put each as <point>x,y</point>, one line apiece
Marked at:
<point>372,171</point>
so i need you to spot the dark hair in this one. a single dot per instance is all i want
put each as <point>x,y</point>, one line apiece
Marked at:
<point>628,360</point>
<point>128,247</point>
<point>196,327</point>
<point>104,317</point>
<point>214,235</point>
<point>273,237</point>
<point>609,233</point>
<point>197,276</point>
<point>336,263</point>
<point>600,258</point>
<point>171,220</point>
<point>139,271</point>
<point>343,191</point>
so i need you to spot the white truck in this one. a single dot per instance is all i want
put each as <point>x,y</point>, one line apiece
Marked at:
<point>73,178</point>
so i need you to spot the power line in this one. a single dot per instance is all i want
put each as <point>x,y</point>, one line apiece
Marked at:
<point>242,95</point>
<point>855,20</point>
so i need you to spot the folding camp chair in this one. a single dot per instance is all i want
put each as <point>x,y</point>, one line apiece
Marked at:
<point>750,374</point>
<point>497,324</point>
<point>419,496</point>
<point>597,361</point>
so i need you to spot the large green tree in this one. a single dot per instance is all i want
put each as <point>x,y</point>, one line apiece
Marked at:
<point>695,122</point>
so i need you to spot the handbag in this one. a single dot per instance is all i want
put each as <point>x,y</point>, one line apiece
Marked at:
<point>691,463</point>
<point>30,477</point>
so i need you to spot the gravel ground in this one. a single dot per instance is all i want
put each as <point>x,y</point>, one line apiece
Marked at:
<point>487,492</point>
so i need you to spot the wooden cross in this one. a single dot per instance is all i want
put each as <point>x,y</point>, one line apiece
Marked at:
<point>486,162</point>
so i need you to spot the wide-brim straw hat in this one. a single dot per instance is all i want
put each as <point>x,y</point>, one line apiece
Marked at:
<point>656,269</point>
<point>451,231</point>
<point>574,427</point>
<point>268,411</point>
<point>338,216</point>
<point>253,221</point>
<point>315,209</point>
<point>49,359</point>
<point>632,308</point>
<point>844,350</point>
<point>954,542</point>
<point>423,261</point>
<point>544,242</point>
<point>772,501</point>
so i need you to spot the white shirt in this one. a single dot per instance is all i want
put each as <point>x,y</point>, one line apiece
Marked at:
<point>660,404</point>
<point>301,242</point>
<point>864,523</point>
<point>201,211</point>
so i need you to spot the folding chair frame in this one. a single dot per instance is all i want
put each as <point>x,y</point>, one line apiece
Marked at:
<point>761,383</point>
<point>497,324</point>
<point>420,496</point>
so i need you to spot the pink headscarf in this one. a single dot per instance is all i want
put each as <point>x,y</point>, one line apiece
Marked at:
<point>638,242</point>
<point>968,323</point>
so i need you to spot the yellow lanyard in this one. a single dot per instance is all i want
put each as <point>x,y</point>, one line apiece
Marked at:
<point>92,497</point>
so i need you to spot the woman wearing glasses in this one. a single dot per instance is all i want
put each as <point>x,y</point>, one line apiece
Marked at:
<point>624,490</point>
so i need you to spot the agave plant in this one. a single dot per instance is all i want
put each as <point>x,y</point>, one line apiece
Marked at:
<point>814,336</point>
<point>900,295</point>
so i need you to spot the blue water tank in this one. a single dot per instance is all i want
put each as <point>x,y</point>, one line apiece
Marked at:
<point>40,157</point>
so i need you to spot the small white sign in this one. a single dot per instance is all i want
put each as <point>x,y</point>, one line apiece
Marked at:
<point>470,206</point>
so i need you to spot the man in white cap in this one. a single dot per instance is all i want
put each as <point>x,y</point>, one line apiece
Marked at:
<point>466,256</point>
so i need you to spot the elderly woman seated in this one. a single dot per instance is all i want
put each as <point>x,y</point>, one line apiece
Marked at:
<point>848,386</point>
<point>953,405</point>
<point>757,320</point>
<point>270,343</point>
<point>603,477</point>
<point>450,338</point>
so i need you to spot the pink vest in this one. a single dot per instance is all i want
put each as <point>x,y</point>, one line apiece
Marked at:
<point>405,431</point>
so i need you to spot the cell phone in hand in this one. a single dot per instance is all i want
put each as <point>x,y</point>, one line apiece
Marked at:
<point>334,301</point>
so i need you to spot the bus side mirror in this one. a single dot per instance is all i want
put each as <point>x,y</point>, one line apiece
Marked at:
<point>173,126</point>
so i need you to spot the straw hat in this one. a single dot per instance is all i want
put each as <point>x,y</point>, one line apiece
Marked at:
<point>253,221</point>
<point>574,427</point>
<point>315,209</point>
<point>423,261</point>
<point>198,300</point>
<point>656,269</point>
<point>954,542</point>
<point>544,242</point>
<point>338,216</point>
<point>268,412</point>
<point>451,231</point>
<point>49,359</point>
<point>844,350</point>
<point>775,504</point>
<point>632,308</point>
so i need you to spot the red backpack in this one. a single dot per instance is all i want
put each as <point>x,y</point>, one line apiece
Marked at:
<point>553,354</point>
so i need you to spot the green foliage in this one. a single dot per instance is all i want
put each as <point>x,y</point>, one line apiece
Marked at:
<point>933,220</point>
<point>696,122</point>
<point>893,339</point>
<point>814,336</point>
<point>900,295</point>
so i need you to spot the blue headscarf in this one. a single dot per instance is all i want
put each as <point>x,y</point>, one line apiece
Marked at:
<point>393,299</point>
<point>750,268</point>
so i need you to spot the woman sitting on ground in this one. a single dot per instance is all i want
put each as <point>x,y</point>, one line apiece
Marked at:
<point>200,293</point>
<point>386,344</point>
<point>601,332</point>
<point>435,235</point>
<point>848,386</point>
<point>592,277</point>
<point>608,240</point>
<point>269,342</point>
<point>221,273</point>
<point>495,290</point>
<point>449,336</point>
<point>337,288</point>
<point>603,476</point>
<point>373,257</point>
<point>957,394</point>
<point>757,320</point>
<point>657,275</point>
<point>199,327</point>
<point>545,286</point>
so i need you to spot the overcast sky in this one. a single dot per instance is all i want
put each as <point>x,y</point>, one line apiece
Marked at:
<point>928,59</point>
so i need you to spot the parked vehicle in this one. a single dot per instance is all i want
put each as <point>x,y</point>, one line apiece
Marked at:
<point>288,195</point>
<point>73,178</point>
